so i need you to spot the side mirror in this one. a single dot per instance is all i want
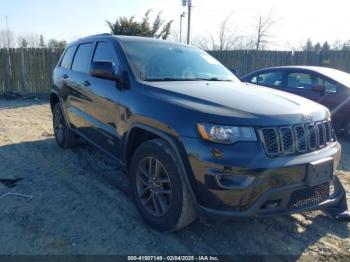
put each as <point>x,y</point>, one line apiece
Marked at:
<point>319,88</point>
<point>103,69</point>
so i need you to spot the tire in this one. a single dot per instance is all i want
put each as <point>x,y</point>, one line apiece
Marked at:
<point>347,129</point>
<point>65,138</point>
<point>160,209</point>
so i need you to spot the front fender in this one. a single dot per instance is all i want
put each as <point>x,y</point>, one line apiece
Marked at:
<point>176,145</point>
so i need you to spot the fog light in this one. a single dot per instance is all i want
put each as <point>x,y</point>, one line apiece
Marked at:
<point>271,204</point>
<point>230,181</point>
<point>331,188</point>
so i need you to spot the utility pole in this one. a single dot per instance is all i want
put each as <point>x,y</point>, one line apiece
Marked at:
<point>189,6</point>
<point>181,16</point>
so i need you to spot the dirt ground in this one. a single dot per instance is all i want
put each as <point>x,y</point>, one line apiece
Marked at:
<point>81,204</point>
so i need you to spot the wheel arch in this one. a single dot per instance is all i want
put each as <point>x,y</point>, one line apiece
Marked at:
<point>54,99</point>
<point>174,143</point>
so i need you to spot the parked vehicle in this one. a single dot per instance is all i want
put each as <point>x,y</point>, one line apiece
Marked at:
<point>193,138</point>
<point>329,87</point>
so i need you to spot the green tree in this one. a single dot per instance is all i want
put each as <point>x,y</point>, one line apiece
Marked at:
<point>42,42</point>
<point>346,45</point>
<point>53,43</point>
<point>318,47</point>
<point>128,26</point>
<point>309,47</point>
<point>326,47</point>
<point>24,43</point>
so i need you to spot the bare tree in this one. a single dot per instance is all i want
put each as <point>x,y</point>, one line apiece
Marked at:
<point>30,40</point>
<point>33,40</point>
<point>264,24</point>
<point>174,36</point>
<point>226,37</point>
<point>7,38</point>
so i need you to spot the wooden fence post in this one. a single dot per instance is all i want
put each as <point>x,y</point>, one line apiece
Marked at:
<point>23,73</point>
<point>51,67</point>
<point>7,70</point>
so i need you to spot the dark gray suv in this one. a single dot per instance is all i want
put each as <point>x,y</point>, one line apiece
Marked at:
<point>194,139</point>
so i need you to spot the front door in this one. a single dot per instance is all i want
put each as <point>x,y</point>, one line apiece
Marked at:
<point>103,108</point>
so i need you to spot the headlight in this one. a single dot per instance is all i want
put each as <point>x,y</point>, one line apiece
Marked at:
<point>226,134</point>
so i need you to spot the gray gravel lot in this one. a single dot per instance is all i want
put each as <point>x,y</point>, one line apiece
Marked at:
<point>81,204</point>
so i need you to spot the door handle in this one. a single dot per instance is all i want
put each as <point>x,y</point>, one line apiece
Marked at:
<point>65,76</point>
<point>86,83</point>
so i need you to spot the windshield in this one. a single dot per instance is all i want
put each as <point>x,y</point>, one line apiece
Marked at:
<point>339,76</point>
<point>157,61</point>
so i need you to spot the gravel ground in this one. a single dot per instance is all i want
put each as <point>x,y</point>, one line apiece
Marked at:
<point>81,204</point>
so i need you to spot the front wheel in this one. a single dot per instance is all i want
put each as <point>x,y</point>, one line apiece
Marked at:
<point>160,193</point>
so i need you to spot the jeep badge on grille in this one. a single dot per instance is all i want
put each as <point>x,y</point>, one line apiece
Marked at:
<point>307,117</point>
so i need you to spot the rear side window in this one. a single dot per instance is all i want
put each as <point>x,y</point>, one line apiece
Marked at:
<point>268,79</point>
<point>82,58</point>
<point>68,57</point>
<point>307,81</point>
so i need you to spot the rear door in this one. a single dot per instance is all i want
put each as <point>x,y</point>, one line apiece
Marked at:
<point>336,99</point>
<point>301,83</point>
<point>78,99</point>
<point>62,76</point>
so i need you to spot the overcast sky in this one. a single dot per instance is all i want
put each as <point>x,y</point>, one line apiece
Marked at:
<point>69,19</point>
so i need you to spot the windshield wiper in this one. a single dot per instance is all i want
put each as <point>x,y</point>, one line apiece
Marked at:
<point>185,79</point>
<point>210,79</point>
<point>164,79</point>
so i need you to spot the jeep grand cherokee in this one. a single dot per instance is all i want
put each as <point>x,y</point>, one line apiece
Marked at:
<point>194,139</point>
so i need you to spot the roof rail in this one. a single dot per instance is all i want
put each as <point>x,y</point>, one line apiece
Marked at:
<point>99,34</point>
<point>85,37</point>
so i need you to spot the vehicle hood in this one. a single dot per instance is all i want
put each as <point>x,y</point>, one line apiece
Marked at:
<point>237,99</point>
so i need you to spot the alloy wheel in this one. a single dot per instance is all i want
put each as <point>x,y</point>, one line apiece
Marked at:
<point>153,186</point>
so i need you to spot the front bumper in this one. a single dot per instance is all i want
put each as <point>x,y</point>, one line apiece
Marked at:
<point>284,194</point>
<point>277,181</point>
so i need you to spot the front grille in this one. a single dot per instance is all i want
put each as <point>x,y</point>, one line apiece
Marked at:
<point>297,139</point>
<point>287,144</point>
<point>309,196</point>
<point>312,137</point>
<point>300,136</point>
<point>271,140</point>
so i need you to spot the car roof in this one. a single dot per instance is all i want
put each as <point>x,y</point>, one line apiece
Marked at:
<point>125,38</point>
<point>318,69</point>
<point>331,73</point>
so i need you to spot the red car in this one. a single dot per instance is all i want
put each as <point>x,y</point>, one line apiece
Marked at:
<point>327,86</point>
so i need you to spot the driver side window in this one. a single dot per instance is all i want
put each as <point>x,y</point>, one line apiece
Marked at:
<point>105,52</point>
